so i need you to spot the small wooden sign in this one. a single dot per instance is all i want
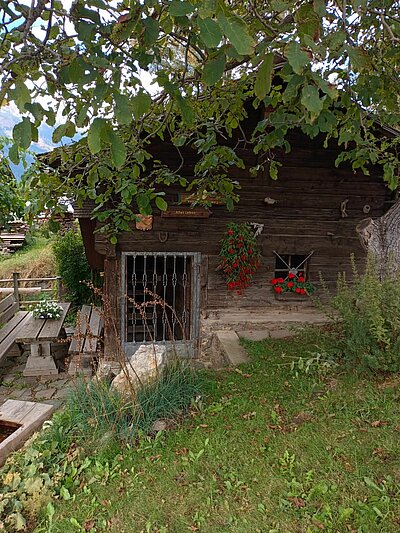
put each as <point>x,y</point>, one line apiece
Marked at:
<point>144,222</point>
<point>186,212</point>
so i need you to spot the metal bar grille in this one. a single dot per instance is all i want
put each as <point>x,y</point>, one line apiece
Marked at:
<point>161,297</point>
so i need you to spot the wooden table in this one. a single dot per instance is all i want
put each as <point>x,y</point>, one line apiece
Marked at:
<point>40,333</point>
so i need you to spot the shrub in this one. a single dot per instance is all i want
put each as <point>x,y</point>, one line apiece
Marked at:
<point>73,267</point>
<point>369,310</point>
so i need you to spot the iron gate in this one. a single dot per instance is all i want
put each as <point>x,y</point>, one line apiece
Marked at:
<point>161,300</point>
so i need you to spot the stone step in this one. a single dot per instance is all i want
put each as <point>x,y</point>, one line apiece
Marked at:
<point>229,344</point>
<point>262,334</point>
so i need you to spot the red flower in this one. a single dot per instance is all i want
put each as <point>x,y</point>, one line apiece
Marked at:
<point>231,232</point>
<point>274,281</point>
<point>280,280</point>
<point>291,275</point>
<point>278,289</point>
<point>235,264</point>
<point>231,251</point>
<point>302,291</point>
<point>243,257</point>
<point>301,279</point>
<point>298,290</point>
<point>290,284</point>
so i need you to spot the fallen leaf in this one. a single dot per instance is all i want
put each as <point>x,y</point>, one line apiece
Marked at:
<point>182,451</point>
<point>378,423</point>
<point>248,416</point>
<point>89,525</point>
<point>153,458</point>
<point>297,502</point>
<point>203,425</point>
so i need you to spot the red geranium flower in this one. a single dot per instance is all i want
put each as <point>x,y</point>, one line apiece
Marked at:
<point>278,289</point>
<point>231,251</point>
<point>290,284</point>
<point>280,280</point>
<point>298,290</point>
<point>231,232</point>
<point>274,281</point>
<point>301,278</point>
<point>291,275</point>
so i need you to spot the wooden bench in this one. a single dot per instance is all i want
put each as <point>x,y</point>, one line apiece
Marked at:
<point>85,342</point>
<point>11,323</point>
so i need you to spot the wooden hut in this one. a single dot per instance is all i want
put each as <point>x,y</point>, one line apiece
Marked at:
<point>308,218</point>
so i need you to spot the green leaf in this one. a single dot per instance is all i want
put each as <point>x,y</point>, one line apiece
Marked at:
<point>186,110</point>
<point>180,9</point>
<point>210,32</point>
<point>296,57</point>
<point>263,81</point>
<point>152,29</point>
<point>308,21</point>
<point>22,133</point>
<point>359,58</point>
<point>13,154</point>
<point>123,110</point>
<point>63,130</point>
<point>113,240</point>
<point>207,8</point>
<point>64,493</point>
<point>21,95</point>
<point>94,135</point>
<point>214,69</point>
<point>118,150</point>
<point>237,32</point>
<point>140,104</point>
<point>161,203</point>
<point>311,100</point>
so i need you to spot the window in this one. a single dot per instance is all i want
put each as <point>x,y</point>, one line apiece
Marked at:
<point>295,263</point>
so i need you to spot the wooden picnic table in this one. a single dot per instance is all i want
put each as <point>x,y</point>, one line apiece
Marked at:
<point>39,333</point>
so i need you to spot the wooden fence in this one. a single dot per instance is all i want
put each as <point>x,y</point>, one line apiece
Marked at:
<point>21,287</point>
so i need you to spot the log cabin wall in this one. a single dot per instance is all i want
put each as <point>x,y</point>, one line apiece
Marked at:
<point>317,207</point>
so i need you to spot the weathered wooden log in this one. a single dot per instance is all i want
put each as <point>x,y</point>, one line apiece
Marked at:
<point>381,238</point>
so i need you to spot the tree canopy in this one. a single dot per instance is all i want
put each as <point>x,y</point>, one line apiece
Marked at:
<point>82,68</point>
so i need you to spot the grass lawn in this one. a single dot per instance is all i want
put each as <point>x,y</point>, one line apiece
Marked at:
<point>268,451</point>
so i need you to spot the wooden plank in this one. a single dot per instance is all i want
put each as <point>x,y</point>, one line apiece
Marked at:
<point>30,415</point>
<point>15,411</point>
<point>52,328</point>
<point>9,332</point>
<point>92,333</point>
<point>31,330</point>
<point>6,302</point>
<point>78,338</point>
<point>9,313</point>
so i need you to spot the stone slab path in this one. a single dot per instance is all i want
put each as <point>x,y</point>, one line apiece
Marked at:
<point>52,390</point>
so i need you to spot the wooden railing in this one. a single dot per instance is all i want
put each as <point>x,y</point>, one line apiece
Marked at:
<point>22,287</point>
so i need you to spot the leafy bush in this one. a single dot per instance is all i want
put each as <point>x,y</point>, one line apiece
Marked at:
<point>73,267</point>
<point>94,405</point>
<point>370,314</point>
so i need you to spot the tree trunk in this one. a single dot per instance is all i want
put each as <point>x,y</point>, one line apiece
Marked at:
<point>381,238</point>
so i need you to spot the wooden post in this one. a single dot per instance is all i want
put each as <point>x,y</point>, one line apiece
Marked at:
<point>59,288</point>
<point>16,286</point>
